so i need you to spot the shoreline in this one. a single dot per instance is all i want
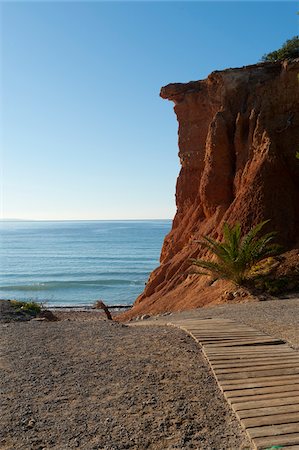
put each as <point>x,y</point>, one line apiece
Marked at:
<point>88,308</point>
<point>10,313</point>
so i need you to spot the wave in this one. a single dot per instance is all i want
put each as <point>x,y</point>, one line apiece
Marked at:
<point>54,255</point>
<point>52,285</point>
<point>80,273</point>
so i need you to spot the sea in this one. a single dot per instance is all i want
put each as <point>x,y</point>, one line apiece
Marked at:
<point>75,263</point>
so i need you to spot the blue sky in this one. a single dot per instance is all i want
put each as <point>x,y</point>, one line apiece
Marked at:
<point>84,132</point>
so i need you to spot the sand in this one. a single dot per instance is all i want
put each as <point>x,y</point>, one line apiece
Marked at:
<point>84,382</point>
<point>92,384</point>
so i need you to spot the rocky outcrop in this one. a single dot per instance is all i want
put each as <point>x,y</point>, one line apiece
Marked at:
<point>238,136</point>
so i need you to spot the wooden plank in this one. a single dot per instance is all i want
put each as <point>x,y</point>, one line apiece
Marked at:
<point>275,347</point>
<point>276,419</point>
<point>224,324</point>
<point>256,373</point>
<point>233,336</point>
<point>242,356</point>
<point>221,339</point>
<point>256,368</point>
<point>229,333</point>
<point>274,430</point>
<point>250,366</point>
<point>263,390</point>
<point>258,351</point>
<point>276,351</point>
<point>252,385</point>
<point>269,441</point>
<point>268,363</point>
<point>254,404</point>
<point>239,378</point>
<point>209,320</point>
<point>222,330</point>
<point>232,342</point>
<point>210,325</point>
<point>251,360</point>
<point>237,343</point>
<point>270,411</point>
<point>278,346</point>
<point>272,395</point>
<point>262,351</point>
<point>210,333</point>
<point>256,339</point>
<point>243,359</point>
<point>275,380</point>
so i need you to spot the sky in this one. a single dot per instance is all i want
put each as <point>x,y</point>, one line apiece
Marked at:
<point>84,133</point>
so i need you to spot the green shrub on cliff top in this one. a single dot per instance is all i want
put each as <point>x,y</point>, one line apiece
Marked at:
<point>237,254</point>
<point>289,50</point>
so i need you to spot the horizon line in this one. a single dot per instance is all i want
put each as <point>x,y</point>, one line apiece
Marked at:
<point>79,220</point>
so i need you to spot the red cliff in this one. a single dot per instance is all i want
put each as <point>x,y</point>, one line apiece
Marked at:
<point>238,137</point>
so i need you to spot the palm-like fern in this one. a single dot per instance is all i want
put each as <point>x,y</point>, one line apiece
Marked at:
<point>237,253</point>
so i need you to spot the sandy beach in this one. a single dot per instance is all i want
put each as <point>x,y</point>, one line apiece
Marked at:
<point>84,382</point>
<point>93,384</point>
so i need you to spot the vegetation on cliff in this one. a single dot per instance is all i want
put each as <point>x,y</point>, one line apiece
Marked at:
<point>237,254</point>
<point>289,50</point>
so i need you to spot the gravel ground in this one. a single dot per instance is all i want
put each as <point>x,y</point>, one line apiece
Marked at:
<point>279,318</point>
<point>101,385</point>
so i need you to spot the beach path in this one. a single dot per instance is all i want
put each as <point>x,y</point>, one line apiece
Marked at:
<point>258,374</point>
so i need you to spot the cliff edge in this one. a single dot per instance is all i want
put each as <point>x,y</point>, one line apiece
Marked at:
<point>238,136</point>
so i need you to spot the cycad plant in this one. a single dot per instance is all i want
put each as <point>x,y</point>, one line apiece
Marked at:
<point>237,253</point>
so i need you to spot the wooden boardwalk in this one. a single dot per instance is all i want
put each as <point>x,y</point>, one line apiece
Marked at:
<point>259,376</point>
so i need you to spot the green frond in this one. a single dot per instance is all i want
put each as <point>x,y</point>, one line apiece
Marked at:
<point>198,273</point>
<point>253,233</point>
<point>217,248</point>
<point>214,268</point>
<point>232,239</point>
<point>237,253</point>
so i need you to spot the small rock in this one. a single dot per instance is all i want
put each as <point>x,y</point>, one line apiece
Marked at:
<point>228,295</point>
<point>39,319</point>
<point>31,423</point>
<point>145,316</point>
<point>48,315</point>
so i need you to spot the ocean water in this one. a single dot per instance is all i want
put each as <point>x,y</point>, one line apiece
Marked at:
<point>75,263</point>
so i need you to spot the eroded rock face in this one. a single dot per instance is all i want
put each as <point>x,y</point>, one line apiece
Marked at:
<point>238,135</point>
